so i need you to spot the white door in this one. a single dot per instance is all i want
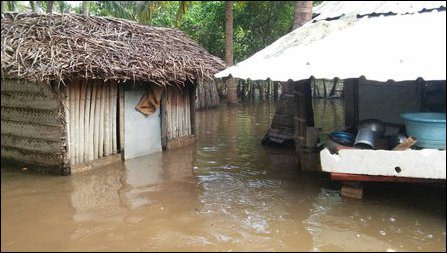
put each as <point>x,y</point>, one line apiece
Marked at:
<point>142,134</point>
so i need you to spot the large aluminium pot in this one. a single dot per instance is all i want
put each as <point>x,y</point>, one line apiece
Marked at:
<point>369,131</point>
<point>375,125</point>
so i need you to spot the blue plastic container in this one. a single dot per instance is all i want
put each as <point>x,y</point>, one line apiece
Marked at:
<point>427,127</point>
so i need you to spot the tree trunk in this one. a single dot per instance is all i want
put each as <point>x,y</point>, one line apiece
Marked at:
<point>302,13</point>
<point>32,4</point>
<point>231,86</point>
<point>86,8</point>
<point>49,6</point>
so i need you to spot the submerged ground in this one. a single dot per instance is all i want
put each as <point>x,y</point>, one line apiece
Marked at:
<point>225,193</point>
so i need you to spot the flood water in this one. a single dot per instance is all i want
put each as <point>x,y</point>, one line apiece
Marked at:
<point>225,193</point>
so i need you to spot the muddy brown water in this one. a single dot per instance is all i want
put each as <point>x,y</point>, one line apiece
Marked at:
<point>225,193</point>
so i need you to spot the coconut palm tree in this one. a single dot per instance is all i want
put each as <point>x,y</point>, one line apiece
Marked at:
<point>182,9</point>
<point>302,13</point>
<point>32,4</point>
<point>86,8</point>
<point>49,6</point>
<point>231,85</point>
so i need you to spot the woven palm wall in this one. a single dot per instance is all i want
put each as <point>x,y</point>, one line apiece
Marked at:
<point>33,125</point>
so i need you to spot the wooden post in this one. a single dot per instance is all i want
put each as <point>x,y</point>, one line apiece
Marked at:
<point>97,125</point>
<point>164,116</point>
<point>238,88</point>
<point>267,95</point>
<point>176,112</point>
<point>303,116</point>
<point>72,109</point>
<point>350,92</point>
<point>111,117</point>
<point>87,142</point>
<point>114,118</point>
<point>91,115</point>
<point>192,109</point>
<point>244,84</point>
<point>78,123</point>
<point>315,89</point>
<point>66,94</point>
<point>92,120</point>
<point>101,122</point>
<point>324,89</point>
<point>82,122</point>
<point>184,96</point>
<point>180,110</point>
<point>106,119</point>
<point>187,111</point>
<point>121,113</point>
<point>91,123</point>
<point>275,91</point>
<point>261,91</point>
<point>253,91</point>
<point>169,114</point>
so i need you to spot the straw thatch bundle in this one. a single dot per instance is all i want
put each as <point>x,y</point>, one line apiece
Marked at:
<point>45,47</point>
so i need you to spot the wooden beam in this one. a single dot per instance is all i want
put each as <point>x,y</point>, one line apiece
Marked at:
<point>365,178</point>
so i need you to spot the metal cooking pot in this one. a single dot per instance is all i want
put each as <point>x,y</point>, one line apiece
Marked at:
<point>375,125</point>
<point>365,139</point>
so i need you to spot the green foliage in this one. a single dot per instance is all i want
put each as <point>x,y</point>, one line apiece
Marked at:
<point>205,23</point>
<point>257,24</point>
<point>159,13</point>
<point>63,7</point>
<point>16,6</point>
<point>167,16</point>
<point>11,5</point>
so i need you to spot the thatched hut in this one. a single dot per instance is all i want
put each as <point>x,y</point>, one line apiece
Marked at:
<point>76,89</point>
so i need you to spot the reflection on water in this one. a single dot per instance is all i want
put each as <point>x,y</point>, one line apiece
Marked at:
<point>226,192</point>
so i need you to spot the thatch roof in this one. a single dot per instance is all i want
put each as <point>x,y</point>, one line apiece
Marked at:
<point>45,47</point>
